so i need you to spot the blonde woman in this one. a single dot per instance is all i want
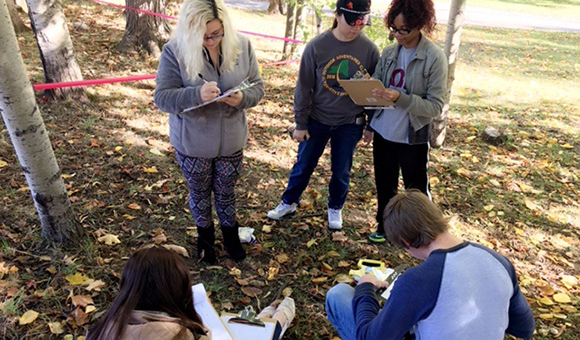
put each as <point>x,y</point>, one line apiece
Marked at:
<point>205,59</point>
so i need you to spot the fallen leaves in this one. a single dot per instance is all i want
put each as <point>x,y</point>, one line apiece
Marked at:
<point>134,206</point>
<point>282,258</point>
<point>252,291</point>
<point>56,328</point>
<point>569,281</point>
<point>79,317</point>
<point>339,237</point>
<point>561,298</point>
<point>311,243</point>
<point>109,239</point>
<point>178,249</point>
<point>77,279</point>
<point>82,300</point>
<point>320,279</point>
<point>151,170</point>
<point>158,236</point>
<point>28,317</point>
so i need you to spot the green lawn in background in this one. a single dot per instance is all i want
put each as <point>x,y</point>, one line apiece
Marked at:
<point>563,9</point>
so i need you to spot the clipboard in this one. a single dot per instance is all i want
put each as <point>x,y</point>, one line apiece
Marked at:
<point>245,84</point>
<point>360,91</point>
<point>222,328</point>
<point>244,331</point>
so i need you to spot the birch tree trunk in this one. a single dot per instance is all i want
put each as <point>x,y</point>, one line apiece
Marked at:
<point>17,22</point>
<point>56,48</point>
<point>143,31</point>
<point>290,20</point>
<point>298,24</point>
<point>30,139</point>
<point>295,18</point>
<point>452,42</point>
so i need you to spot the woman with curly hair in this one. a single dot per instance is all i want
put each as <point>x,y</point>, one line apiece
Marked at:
<point>414,71</point>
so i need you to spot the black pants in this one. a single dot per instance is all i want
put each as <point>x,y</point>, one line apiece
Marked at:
<point>388,158</point>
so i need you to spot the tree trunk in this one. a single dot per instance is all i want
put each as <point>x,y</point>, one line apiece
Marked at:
<point>276,7</point>
<point>56,48</point>
<point>143,31</point>
<point>290,20</point>
<point>299,22</point>
<point>31,143</point>
<point>452,41</point>
<point>318,16</point>
<point>17,22</point>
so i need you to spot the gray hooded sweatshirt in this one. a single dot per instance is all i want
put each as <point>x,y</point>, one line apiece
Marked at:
<point>216,129</point>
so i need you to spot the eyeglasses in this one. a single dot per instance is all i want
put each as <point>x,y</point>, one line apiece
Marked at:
<point>401,31</point>
<point>214,37</point>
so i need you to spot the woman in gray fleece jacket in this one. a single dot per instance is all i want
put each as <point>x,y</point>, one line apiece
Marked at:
<point>205,59</point>
<point>414,71</point>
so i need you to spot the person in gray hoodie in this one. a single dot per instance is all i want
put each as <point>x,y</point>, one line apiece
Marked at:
<point>204,60</point>
<point>324,111</point>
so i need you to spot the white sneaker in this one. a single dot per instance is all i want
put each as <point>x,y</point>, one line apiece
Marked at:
<point>282,210</point>
<point>335,219</point>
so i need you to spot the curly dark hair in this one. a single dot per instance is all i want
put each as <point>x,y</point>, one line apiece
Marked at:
<point>418,14</point>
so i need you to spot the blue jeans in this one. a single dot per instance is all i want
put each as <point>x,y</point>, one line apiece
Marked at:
<point>339,310</point>
<point>343,141</point>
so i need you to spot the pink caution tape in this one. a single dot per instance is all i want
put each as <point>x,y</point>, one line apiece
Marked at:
<point>51,86</point>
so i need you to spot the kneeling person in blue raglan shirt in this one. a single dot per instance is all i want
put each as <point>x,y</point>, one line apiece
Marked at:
<point>462,291</point>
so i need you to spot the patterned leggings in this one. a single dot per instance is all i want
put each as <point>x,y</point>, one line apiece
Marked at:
<point>206,174</point>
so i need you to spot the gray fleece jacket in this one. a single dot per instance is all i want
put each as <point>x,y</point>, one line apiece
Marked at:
<point>426,81</point>
<point>216,129</point>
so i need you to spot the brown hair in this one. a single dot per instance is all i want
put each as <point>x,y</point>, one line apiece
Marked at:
<point>154,279</point>
<point>419,14</point>
<point>412,220</point>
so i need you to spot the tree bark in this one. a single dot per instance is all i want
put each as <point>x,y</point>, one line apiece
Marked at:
<point>294,25</point>
<point>452,42</point>
<point>290,20</point>
<point>298,24</point>
<point>143,31</point>
<point>318,16</point>
<point>17,22</point>
<point>276,7</point>
<point>31,143</point>
<point>56,48</point>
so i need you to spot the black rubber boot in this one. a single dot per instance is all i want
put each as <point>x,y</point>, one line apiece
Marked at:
<point>232,243</point>
<point>205,242</point>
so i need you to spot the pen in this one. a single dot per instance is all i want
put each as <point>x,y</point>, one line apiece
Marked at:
<point>202,78</point>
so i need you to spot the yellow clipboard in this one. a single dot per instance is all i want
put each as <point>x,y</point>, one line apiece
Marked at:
<point>361,92</point>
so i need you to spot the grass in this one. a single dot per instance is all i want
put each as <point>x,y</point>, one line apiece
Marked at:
<point>520,198</point>
<point>563,9</point>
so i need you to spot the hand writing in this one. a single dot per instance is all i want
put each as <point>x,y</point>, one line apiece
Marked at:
<point>209,91</point>
<point>370,277</point>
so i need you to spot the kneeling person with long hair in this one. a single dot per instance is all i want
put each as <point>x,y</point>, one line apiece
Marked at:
<point>155,301</point>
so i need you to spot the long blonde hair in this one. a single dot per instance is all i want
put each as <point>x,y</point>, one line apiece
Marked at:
<point>191,27</point>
